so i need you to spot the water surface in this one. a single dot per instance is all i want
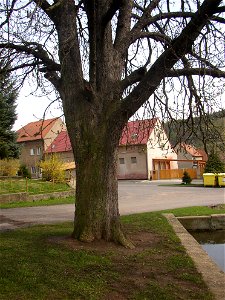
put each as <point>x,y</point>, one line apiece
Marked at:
<point>213,242</point>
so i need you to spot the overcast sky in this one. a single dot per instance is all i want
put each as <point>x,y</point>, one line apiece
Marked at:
<point>31,108</point>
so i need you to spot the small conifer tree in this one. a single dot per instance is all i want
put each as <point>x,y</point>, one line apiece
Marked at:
<point>186,179</point>
<point>214,164</point>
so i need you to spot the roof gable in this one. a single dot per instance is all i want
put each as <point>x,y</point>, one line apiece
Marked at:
<point>35,130</point>
<point>60,144</point>
<point>194,152</point>
<point>134,133</point>
<point>137,132</point>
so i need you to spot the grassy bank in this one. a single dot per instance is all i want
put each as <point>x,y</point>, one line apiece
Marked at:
<point>31,186</point>
<point>55,201</point>
<point>43,262</point>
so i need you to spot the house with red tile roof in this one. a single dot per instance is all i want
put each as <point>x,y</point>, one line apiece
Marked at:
<point>62,147</point>
<point>143,149</point>
<point>34,138</point>
<point>191,157</point>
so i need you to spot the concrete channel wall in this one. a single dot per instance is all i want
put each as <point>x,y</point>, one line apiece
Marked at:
<point>211,273</point>
<point>212,222</point>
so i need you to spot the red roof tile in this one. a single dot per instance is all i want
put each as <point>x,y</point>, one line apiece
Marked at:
<point>203,154</point>
<point>134,133</point>
<point>60,144</point>
<point>137,132</point>
<point>35,130</point>
<point>195,152</point>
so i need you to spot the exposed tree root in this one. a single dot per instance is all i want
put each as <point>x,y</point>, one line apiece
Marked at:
<point>117,237</point>
<point>122,240</point>
<point>85,236</point>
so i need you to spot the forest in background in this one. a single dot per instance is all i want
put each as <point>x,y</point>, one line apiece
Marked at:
<point>197,132</point>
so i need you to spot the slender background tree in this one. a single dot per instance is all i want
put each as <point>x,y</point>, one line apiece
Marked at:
<point>106,59</point>
<point>8,94</point>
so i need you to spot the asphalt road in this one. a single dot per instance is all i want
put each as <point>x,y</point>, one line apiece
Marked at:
<point>134,197</point>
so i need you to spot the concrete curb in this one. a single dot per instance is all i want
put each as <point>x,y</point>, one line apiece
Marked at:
<point>212,275</point>
<point>212,222</point>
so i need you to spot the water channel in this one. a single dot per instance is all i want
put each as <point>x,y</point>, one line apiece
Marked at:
<point>213,242</point>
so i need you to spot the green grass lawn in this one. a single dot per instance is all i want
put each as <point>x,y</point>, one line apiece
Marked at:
<point>197,210</point>
<point>43,262</point>
<point>31,186</point>
<point>47,202</point>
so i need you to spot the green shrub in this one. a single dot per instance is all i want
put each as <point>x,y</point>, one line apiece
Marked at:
<point>24,172</point>
<point>186,179</point>
<point>52,169</point>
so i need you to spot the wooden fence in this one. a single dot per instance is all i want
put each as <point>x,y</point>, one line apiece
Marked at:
<point>173,174</point>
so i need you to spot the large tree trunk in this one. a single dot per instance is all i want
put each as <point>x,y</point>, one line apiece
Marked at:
<point>97,213</point>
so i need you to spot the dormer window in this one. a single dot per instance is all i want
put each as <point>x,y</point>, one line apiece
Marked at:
<point>134,136</point>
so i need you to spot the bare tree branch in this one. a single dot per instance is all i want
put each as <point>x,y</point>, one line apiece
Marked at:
<point>22,66</point>
<point>146,20</point>
<point>159,37</point>
<point>220,9</point>
<point>36,51</point>
<point>123,23</point>
<point>47,8</point>
<point>9,13</point>
<point>114,6</point>
<point>134,77</point>
<point>179,47</point>
<point>195,71</point>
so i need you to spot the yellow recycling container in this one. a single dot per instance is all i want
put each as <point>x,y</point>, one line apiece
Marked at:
<point>221,179</point>
<point>209,179</point>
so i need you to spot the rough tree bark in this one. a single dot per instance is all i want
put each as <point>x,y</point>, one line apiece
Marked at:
<point>95,138</point>
<point>93,128</point>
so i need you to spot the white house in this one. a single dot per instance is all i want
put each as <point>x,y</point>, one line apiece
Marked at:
<point>143,150</point>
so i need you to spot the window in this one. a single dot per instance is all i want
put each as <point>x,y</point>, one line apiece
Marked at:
<point>39,151</point>
<point>33,170</point>
<point>134,160</point>
<point>134,136</point>
<point>32,151</point>
<point>122,161</point>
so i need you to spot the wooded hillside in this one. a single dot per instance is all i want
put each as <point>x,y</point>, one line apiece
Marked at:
<point>210,137</point>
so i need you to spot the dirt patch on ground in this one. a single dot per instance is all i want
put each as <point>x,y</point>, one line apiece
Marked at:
<point>146,272</point>
<point>141,240</point>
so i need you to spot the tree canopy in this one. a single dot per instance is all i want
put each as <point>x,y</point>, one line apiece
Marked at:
<point>106,59</point>
<point>8,94</point>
